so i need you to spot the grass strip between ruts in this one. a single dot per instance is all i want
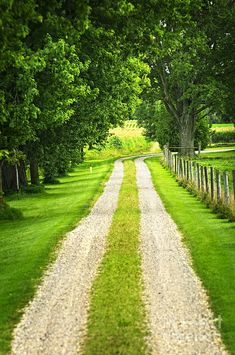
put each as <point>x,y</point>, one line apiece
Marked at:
<point>211,242</point>
<point>116,323</point>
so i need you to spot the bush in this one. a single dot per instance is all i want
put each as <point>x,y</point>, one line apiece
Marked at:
<point>223,137</point>
<point>114,142</point>
<point>48,179</point>
<point>34,189</point>
<point>9,213</point>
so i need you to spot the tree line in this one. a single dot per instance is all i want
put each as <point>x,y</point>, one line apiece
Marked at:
<point>70,69</point>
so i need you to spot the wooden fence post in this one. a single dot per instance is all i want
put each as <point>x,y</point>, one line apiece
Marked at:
<point>202,179</point>
<point>190,170</point>
<point>218,185</point>
<point>226,188</point>
<point>176,164</point>
<point>233,173</point>
<point>199,148</point>
<point>187,170</point>
<point>195,172</point>
<point>198,177</point>
<point>184,164</point>
<point>206,179</point>
<point>212,183</point>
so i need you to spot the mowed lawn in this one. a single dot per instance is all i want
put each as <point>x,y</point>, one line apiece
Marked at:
<point>212,244</point>
<point>26,246</point>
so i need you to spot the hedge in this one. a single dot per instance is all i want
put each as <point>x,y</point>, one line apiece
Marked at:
<point>225,137</point>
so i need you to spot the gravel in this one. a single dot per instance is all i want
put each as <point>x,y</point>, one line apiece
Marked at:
<point>179,316</point>
<point>54,322</point>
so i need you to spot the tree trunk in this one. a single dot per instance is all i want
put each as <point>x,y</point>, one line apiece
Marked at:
<point>34,173</point>
<point>22,174</point>
<point>187,131</point>
<point>1,187</point>
<point>9,178</point>
<point>12,179</point>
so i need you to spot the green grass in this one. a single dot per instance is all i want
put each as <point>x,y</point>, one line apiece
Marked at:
<point>211,242</point>
<point>116,323</point>
<point>222,125</point>
<point>219,160</point>
<point>27,245</point>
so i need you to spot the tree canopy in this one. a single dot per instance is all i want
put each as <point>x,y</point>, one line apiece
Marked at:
<point>72,69</point>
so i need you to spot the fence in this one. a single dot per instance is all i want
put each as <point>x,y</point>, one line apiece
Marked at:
<point>218,186</point>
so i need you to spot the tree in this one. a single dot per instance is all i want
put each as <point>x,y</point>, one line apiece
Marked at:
<point>174,40</point>
<point>160,126</point>
<point>220,29</point>
<point>40,75</point>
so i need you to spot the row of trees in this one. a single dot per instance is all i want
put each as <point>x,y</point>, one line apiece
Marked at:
<point>70,68</point>
<point>64,81</point>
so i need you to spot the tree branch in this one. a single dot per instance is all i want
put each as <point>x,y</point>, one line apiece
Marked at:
<point>167,99</point>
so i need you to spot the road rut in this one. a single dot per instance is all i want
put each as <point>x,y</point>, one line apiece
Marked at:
<point>54,321</point>
<point>179,316</point>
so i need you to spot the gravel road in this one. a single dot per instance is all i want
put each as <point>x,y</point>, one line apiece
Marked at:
<point>180,320</point>
<point>54,321</point>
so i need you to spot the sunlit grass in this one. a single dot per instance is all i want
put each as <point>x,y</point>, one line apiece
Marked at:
<point>220,127</point>
<point>28,245</point>
<point>212,244</point>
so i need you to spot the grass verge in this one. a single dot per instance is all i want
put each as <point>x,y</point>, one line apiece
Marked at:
<point>211,242</point>
<point>28,245</point>
<point>116,323</point>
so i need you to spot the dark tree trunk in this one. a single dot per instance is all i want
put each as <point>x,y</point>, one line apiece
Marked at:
<point>10,180</point>
<point>187,132</point>
<point>22,174</point>
<point>34,173</point>
<point>1,186</point>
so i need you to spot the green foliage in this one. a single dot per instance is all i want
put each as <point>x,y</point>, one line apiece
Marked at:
<point>161,126</point>
<point>114,142</point>
<point>158,123</point>
<point>202,133</point>
<point>223,137</point>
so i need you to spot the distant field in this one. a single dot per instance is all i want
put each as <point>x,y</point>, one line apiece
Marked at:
<point>219,160</point>
<point>124,141</point>
<point>223,127</point>
<point>124,146</point>
<point>222,161</point>
<point>219,125</point>
<point>130,129</point>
